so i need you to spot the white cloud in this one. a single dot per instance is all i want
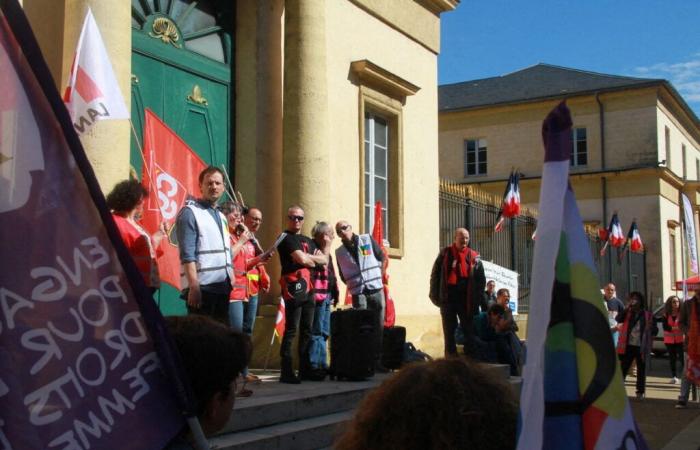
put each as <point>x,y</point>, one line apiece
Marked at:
<point>685,77</point>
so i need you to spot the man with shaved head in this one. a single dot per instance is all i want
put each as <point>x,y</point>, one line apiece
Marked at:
<point>456,286</point>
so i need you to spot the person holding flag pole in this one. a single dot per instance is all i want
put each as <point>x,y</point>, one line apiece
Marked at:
<point>570,398</point>
<point>55,175</point>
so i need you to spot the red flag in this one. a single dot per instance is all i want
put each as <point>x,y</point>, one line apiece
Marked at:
<point>171,176</point>
<point>378,235</point>
<point>510,206</point>
<point>280,321</point>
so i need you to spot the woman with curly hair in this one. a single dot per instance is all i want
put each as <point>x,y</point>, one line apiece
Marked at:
<point>126,203</point>
<point>673,336</point>
<point>636,327</point>
<point>443,404</point>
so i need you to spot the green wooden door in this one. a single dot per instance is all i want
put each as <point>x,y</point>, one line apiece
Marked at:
<point>181,70</point>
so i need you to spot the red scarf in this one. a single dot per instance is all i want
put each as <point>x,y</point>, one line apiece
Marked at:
<point>461,266</point>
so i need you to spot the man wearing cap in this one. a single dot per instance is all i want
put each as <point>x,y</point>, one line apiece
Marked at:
<point>360,266</point>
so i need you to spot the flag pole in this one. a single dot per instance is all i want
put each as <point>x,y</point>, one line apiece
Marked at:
<point>229,186</point>
<point>148,171</point>
<point>269,349</point>
<point>683,226</point>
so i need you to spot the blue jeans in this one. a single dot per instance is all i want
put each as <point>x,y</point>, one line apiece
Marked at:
<point>320,330</point>
<point>235,317</point>
<point>250,311</point>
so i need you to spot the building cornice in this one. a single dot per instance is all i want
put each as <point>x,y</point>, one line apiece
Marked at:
<point>439,6</point>
<point>382,80</point>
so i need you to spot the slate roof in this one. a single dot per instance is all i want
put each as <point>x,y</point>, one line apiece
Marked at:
<point>539,82</point>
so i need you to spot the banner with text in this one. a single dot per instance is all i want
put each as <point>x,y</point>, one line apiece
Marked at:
<point>78,368</point>
<point>689,222</point>
<point>504,278</point>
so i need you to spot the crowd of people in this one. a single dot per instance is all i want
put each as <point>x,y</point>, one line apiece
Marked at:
<point>223,272</point>
<point>634,327</point>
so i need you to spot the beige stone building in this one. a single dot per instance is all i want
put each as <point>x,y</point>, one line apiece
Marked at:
<point>636,147</point>
<point>326,103</point>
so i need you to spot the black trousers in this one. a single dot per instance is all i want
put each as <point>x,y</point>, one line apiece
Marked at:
<point>213,305</point>
<point>633,353</point>
<point>456,307</point>
<point>299,314</point>
<point>675,353</point>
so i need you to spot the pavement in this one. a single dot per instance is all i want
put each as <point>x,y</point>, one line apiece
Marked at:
<point>663,426</point>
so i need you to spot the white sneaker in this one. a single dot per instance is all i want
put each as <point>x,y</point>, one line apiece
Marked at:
<point>673,380</point>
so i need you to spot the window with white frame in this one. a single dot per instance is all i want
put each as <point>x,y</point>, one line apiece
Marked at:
<point>579,150</point>
<point>376,170</point>
<point>475,157</point>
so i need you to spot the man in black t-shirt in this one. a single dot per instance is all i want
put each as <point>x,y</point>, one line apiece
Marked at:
<point>298,254</point>
<point>611,301</point>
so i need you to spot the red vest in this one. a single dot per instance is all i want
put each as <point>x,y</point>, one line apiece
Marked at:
<point>675,336</point>
<point>645,333</point>
<point>240,278</point>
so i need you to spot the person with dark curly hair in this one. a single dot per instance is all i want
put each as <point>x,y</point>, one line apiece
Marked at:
<point>212,356</point>
<point>126,202</point>
<point>636,327</point>
<point>451,403</point>
<point>673,336</point>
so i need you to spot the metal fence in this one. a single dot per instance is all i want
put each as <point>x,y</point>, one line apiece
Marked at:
<point>513,247</point>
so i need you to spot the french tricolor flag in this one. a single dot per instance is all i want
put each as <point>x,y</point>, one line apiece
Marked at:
<point>510,206</point>
<point>635,240</point>
<point>615,235</point>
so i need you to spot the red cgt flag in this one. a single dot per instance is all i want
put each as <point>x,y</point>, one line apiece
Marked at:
<point>171,176</point>
<point>378,235</point>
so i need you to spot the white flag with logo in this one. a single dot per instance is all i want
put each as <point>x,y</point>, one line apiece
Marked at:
<point>690,234</point>
<point>92,93</point>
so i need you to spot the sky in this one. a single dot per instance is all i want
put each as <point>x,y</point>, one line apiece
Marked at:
<point>639,38</point>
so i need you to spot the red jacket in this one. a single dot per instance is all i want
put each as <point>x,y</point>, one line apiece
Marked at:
<point>140,247</point>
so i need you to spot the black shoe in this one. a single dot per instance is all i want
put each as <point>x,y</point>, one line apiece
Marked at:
<point>314,375</point>
<point>379,368</point>
<point>289,378</point>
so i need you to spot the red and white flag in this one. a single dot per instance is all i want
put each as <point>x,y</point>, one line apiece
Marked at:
<point>613,236</point>
<point>280,321</point>
<point>171,175</point>
<point>92,93</point>
<point>635,240</point>
<point>616,236</point>
<point>510,206</point>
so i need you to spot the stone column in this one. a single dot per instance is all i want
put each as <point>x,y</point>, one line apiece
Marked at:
<point>268,137</point>
<point>108,143</point>
<point>306,153</point>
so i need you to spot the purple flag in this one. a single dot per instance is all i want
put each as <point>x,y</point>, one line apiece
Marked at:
<point>78,363</point>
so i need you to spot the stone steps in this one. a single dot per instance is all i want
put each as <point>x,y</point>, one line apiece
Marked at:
<point>305,416</point>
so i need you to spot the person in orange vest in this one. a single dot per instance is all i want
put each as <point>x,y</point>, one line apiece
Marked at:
<point>636,326</point>
<point>258,279</point>
<point>673,336</point>
<point>239,293</point>
<point>126,202</point>
<point>690,325</point>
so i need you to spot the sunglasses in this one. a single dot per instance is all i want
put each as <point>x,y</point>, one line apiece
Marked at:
<point>344,227</point>
<point>296,218</point>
